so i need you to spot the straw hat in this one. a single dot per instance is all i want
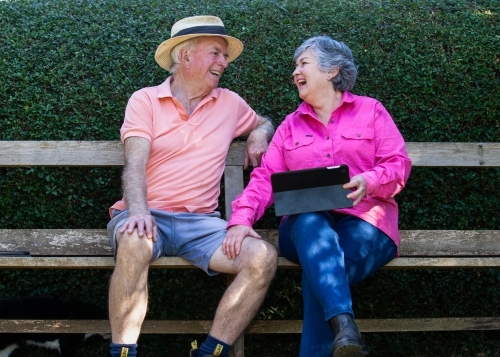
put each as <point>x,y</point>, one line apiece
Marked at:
<point>196,26</point>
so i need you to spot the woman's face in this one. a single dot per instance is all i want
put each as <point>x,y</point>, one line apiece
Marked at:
<point>308,78</point>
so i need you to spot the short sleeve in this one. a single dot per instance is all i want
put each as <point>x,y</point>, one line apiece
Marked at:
<point>247,119</point>
<point>138,119</point>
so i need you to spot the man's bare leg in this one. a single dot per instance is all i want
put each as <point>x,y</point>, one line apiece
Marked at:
<point>128,288</point>
<point>254,268</point>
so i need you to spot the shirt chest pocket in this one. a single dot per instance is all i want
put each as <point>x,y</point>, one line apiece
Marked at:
<point>358,148</point>
<point>299,152</point>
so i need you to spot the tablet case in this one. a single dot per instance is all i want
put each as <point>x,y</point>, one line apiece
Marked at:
<point>310,190</point>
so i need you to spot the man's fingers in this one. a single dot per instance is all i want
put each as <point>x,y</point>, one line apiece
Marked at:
<point>255,160</point>
<point>140,228</point>
<point>123,228</point>
<point>144,224</point>
<point>247,161</point>
<point>224,247</point>
<point>237,249</point>
<point>227,248</point>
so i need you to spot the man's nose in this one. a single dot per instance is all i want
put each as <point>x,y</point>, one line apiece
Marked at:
<point>223,61</point>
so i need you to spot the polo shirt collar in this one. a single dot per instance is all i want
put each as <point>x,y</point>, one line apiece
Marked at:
<point>164,90</point>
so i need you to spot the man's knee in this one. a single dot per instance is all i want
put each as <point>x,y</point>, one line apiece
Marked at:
<point>131,247</point>
<point>261,258</point>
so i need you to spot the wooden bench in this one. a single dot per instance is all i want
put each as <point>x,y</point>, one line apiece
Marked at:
<point>88,249</point>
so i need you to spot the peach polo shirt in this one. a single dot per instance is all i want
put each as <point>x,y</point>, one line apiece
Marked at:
<point>188,153</point>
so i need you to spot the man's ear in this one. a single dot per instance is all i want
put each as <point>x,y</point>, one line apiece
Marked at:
<point>184,57</point>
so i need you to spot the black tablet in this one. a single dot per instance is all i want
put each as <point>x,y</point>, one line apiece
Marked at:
<point>310,190</point>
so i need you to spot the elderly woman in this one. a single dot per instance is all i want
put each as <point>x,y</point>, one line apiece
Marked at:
<point>341,247</point>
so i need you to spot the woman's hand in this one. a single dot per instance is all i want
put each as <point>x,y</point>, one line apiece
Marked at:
<point>231,246</point>
<point>359,184</point>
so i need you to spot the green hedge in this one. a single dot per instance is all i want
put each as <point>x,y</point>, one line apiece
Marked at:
<point>67,69</point>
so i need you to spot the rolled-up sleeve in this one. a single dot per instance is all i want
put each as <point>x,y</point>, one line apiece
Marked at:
<point>392,163</point>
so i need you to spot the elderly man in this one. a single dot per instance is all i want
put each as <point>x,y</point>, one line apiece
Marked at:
<point>176,137</point>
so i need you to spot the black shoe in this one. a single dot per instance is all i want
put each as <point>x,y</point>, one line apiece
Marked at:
<point>348,341</point>
<point>194,353</point>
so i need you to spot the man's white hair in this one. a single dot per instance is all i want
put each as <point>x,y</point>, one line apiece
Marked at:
<point>176,52</point>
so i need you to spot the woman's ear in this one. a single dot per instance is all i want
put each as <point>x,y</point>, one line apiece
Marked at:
<point>332,73</point>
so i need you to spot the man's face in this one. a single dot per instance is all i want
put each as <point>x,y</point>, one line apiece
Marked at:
<point>207,61</point>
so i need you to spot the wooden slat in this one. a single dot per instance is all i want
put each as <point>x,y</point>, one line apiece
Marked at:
<point>387,325</point>
<point>236,154</point>
<point>78,262</point>
<point>444,263</point>
<point>454,154</point>
<point>424,263</point>
<point>110,153</point>
<point>68,242</point>
<point>180,263</point>
<point>233,182</point>
<point>450,242</point>
<point>434,242</point>
<point>65,242</point>
<point>61,153</point>
<point>84,263</point>
<point>79,153</point>
<point>429,324</point>
<point>256,327</point>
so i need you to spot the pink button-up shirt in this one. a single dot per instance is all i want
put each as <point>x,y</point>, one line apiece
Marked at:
<point>361,134</point>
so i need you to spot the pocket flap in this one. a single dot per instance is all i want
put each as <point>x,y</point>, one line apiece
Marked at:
<point>298,141</point>
<point>361,133</point>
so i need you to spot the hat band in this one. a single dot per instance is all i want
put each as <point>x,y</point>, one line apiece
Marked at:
<point>216,30</point>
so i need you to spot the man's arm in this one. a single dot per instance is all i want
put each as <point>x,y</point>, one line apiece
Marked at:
<point>257,142</point>
<point>135,190</point>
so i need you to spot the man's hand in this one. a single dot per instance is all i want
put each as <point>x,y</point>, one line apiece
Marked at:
<point>231,246</point>
<point>257,142</point>
<point>359,183</point>
<point>144,223</point>
<point>256,147</point>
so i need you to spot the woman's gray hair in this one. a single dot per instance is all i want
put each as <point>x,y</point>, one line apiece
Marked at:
<point>176,52</point>
<point>332,54</point>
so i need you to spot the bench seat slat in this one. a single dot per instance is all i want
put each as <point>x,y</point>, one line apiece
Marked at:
<point>94,242</point>
<point>256,327</point>
<point>180,263</point>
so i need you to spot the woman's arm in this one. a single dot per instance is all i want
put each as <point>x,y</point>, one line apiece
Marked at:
<point>392,164</point>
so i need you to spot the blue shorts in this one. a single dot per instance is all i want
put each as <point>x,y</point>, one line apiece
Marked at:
<point>192,236</point>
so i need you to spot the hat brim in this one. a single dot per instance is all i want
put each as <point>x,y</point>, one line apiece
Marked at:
<point>162,55</point>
